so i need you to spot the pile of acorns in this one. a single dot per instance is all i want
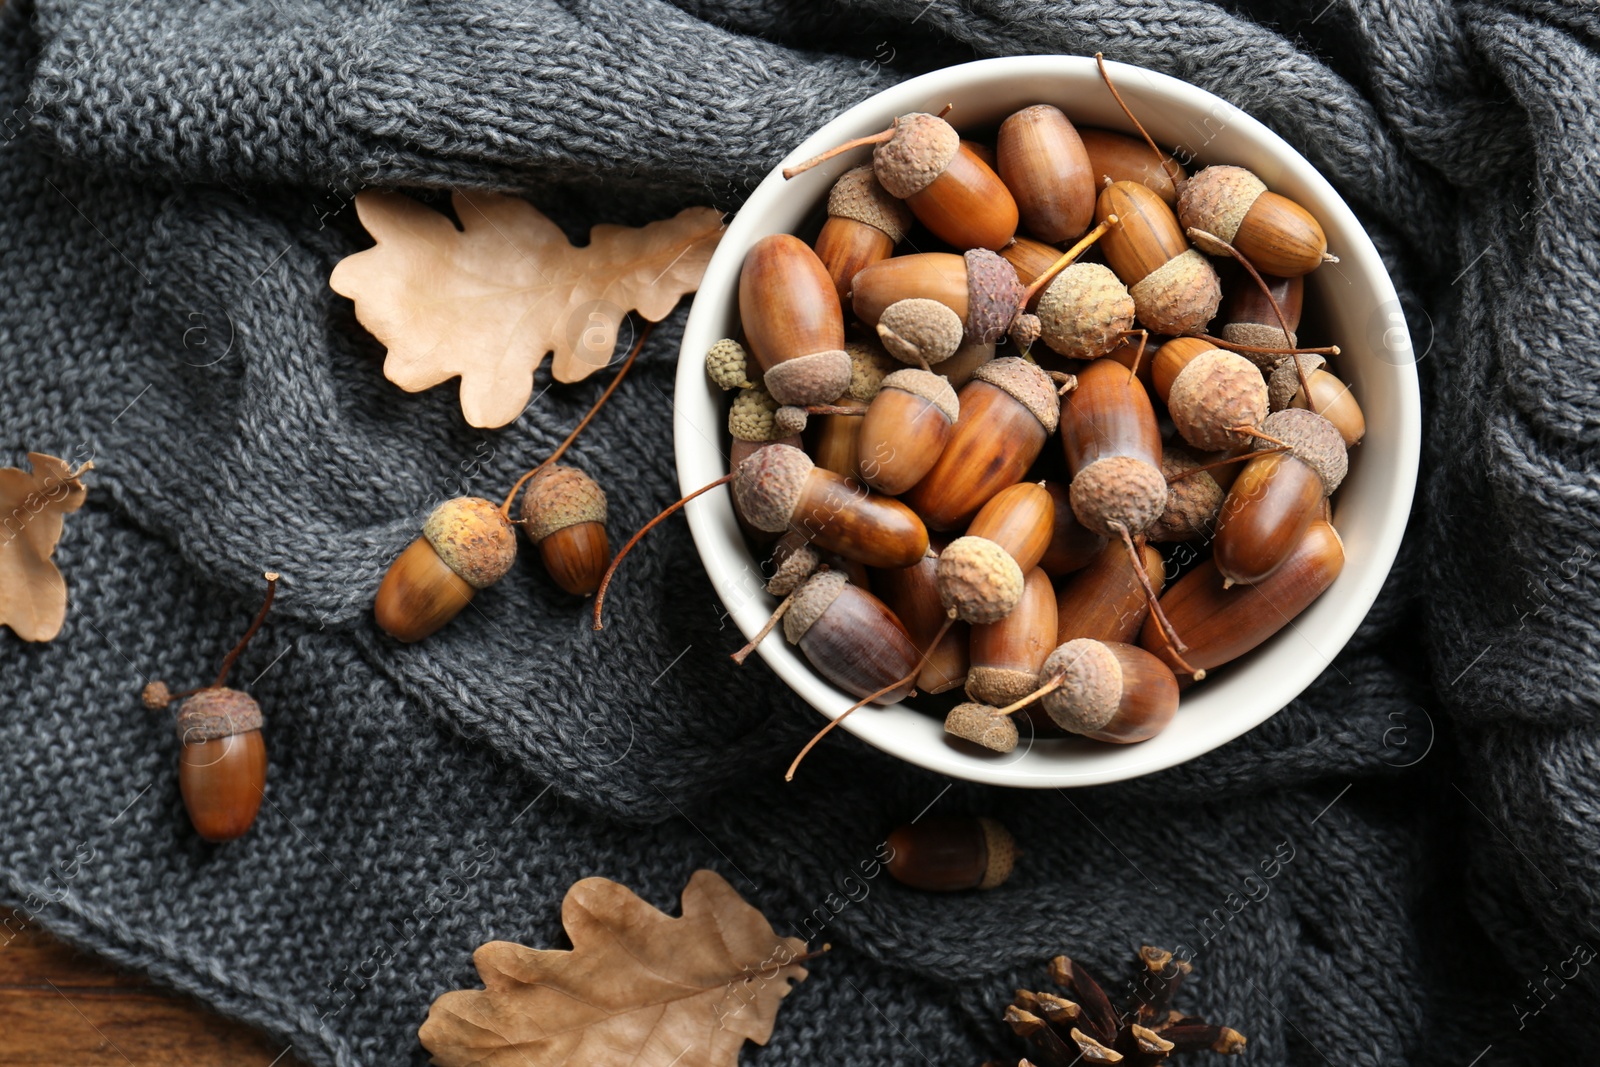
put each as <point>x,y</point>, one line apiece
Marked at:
<point>890,460</point>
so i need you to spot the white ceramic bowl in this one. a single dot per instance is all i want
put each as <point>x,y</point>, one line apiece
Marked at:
<point>1354,301</point>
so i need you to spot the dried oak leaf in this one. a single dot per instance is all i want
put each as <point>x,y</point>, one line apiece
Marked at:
<point>487,301</point>
<point>638,988</point>
<point>33,596</point>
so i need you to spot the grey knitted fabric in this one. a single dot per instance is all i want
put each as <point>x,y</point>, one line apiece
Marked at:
<point>178,179</point>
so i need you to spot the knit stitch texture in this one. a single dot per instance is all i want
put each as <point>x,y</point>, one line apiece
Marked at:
<point>178,180</point>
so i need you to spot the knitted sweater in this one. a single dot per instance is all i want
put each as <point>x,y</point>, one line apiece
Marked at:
<point>179,179</point>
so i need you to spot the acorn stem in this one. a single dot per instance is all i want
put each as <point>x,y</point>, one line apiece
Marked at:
<point>1046,689</point>
<point>874,139</point>
<point>788,775</point>
<point>836,409</point>
<point>1065,382</point>
<point>1235,346</point>
<point>1067,257</point>
<point>1161,156</point>
<point>638,346</point>
<point>600,594</point>
<point>1181,475</point>
<point>1138,357</point>
<point>761,635</point>
<point>255,624</point>
<point>1251,431</point>
<point>1178,647</point>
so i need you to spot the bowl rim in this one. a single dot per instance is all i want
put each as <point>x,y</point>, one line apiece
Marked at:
<point>709,515</point>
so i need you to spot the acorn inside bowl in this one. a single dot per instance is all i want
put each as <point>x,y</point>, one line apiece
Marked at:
<point>1350,303</point>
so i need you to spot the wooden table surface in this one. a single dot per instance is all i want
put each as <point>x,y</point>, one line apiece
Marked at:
<point>62,1008</point>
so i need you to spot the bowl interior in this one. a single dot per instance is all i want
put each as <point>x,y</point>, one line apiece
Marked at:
<point>1355,305</point>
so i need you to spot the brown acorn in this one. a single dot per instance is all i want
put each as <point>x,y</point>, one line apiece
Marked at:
<point>1123,158</point>
<point>1113,451</point>
<point>1248,317</point>
<point>467,544</point>
<point>1108,691</point>
<point>779,488</point>
<point>864,224</point>
<point>1084,311</point>
<point>1071,545</point>
<point>946,854</point>
<point>1277,494</point>
<point>905,430</point>
<point>912,593</point>
<point>222,766</point>
<point>1220,623</point>
<point>979,286</point>
<point>1105,600</point>
<point>850,637</point>
<point>1175,289</point>
<point>1274,233</point>
<point>920,331</point>
<point>1330,397</point>
<point>1006,654</point>
<point>1043,162</point>
<point>793,322</point>
<point>1214,395</point>
<point>1007,411</point>
<point>564,514</point>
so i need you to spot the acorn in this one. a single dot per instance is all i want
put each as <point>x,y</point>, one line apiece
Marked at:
<point>981,575</point>
<point>1123,158</point>
<point>960,367</point>
<point>1193,498</point>
<point>779,488</point>
<point>1277,494</point>
<point>1175,289</point>
<point>1043,162</point>
<point>1212,395</point>
<point>1108,691</point>
<point>1330,397</point>
<point>1084,312</point>
<point>920,331</point>
<point>1231,204</point>
<point>222,766</point>
<point>1249,320</point>
<point>793,322</point>
<point>1006,655</point>
<point>1105,600</point>
<point>1007,411</point>
<point>1220,624</point>
<point>947,186</point>
<point>905,429</point>
<point>1113,451</point>
<point>864,224</point>
<point>850,637</point>
<point>564,514</point>
<point>467,544</point>
<point>979,286</point>
<point>948,854</point>
<point>984,725</point>
<point>912,593</point>
<point>727,365</point>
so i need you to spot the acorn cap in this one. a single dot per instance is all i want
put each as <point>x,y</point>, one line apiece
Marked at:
<point>1001,849</point>
<point>858,195</point>
<point>1025,330</point>
<point>1118,490</point>
<point>1084,311</point>
<point>1091,687</point>
<point>1180,296</point>
<point>1313,440</point>
<point>217,712</point>
<point>750,417</point>
<point>1216,200</point>
<point>473,538</point>
<point>560,496</point>
<point>922,147</point>
<point>979,724</point>
<point>920,331</point>
<point>1285,381</point>
<point>978,580</point>
<point>818,378</point>
<point>812,599</point>
<point>869,364</point>
<point>768,485</point>
<point>1192,502</point>
<point>1000,685</point>
<point>1257,335</point>
<point>1213,391</point>
<point>1027,384</point>
<point>993,295</point>
<point>727,363</point>
<point>933,388</point>
<point>155,695</point>
<point>793,561</point>
<point>789,420</point>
